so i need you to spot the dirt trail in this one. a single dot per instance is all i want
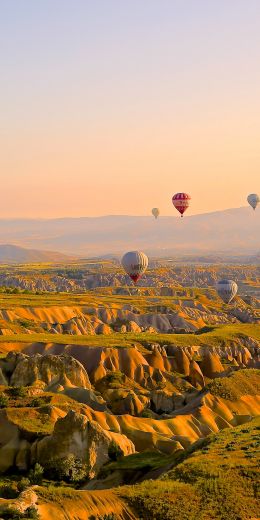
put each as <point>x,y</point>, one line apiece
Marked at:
<point>85,505</point>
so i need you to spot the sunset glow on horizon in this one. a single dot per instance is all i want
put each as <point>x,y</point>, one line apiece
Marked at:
<point>111,107</point>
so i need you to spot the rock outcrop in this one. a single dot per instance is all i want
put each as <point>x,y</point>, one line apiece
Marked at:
<point>83,438</point>
<point>50,371</point>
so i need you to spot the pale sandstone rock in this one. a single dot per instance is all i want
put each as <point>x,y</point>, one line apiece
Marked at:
<point>52,370</point>
<point>86,440</point>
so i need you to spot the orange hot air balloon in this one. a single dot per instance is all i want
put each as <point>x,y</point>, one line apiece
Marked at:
<point>181,202</point>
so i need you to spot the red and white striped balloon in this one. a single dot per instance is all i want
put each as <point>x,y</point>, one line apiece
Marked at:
<point>181,202</point>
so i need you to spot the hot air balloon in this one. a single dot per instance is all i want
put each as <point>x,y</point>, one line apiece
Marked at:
<point>227,290</point>
<point>135,264</point>
<point>181,202</point>
<point>156,212</point>
<point>253,199</point>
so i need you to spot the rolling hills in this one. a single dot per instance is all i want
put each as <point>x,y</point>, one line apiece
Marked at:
<point>19,255</point>
<point>116,234</point>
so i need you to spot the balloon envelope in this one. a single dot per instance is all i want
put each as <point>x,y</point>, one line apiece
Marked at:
<point>156,212</point>
<point>253,199</point>
<point>181,202</point>
<point>135,264</point>
<point>227,290</point>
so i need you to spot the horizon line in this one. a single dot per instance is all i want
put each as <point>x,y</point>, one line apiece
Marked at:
<point>122,215</point>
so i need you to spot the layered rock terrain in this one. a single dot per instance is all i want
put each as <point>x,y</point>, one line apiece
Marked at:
<point>91,381</point>
<point>159,397</point>
<point>179,316</point>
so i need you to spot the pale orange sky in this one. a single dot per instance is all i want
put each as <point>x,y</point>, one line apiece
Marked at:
<point>111,108</point>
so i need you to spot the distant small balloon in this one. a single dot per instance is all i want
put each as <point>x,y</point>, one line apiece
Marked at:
<point>181,202</point>
<point>156,212</point>
<point>253,199</point>
<point>135,264</point>
<point>227,290</point>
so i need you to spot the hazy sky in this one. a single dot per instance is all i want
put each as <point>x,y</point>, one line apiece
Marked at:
<point>112,106</point>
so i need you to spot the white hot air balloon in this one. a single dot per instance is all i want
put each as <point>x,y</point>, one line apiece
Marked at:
<point>253,199</point>
<point>227,290</point>
<point>135,264</point>
<point>156,212</point>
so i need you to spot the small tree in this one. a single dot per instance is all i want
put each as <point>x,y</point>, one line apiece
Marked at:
<point>114,451</point>
<point>68,468</point>
<point>36,474</point>
<point>23,484</point>
<point>32,513</point>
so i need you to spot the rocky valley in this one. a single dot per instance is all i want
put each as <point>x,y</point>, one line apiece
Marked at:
<point>108,389</point>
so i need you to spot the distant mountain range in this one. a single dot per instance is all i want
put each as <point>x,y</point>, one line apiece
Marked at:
<point>15,254</point>
<point>233,231</point>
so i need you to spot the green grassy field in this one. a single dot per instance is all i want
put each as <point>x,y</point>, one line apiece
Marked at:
<point>219,335</point>
<point>232,388</point>
<point>216,479</point>
<point>145,461</point>
<point>98,298</point>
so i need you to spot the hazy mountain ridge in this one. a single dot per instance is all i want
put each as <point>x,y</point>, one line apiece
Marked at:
<point>15,254</point>
<point>230,231</point>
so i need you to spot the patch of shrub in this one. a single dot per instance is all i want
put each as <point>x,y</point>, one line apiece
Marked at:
<point>114,451</point>
<point>113,379</point>
<point>148,414</point>
<point>17,391</point>
<point>3,400</point>
<point>37,402</point>
<point>23,484</point>
<point>32,513</point>
<point>14,514</point>
<point>164,500</point>
<point>242,382</point>
<point>36,474</point>
<point>57,494</point>
<point>69,469</point>
<point>8,491</point>
<point>205,330</point>
<point>11,514</point>
<point>27,324</point>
